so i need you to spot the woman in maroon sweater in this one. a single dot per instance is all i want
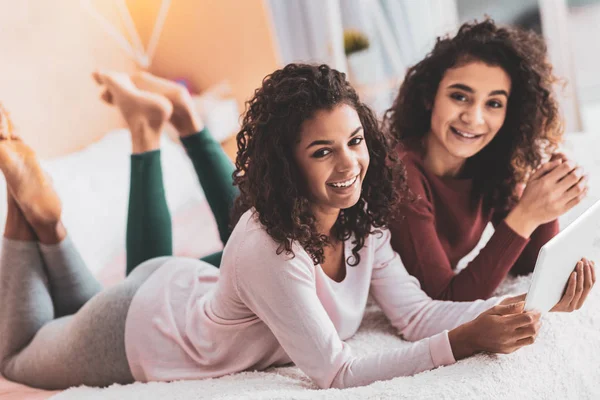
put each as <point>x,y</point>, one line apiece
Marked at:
<point>478,120</point>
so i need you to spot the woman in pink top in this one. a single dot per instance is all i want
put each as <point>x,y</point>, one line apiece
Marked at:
<point>317,189</point>
<point>478,119</point>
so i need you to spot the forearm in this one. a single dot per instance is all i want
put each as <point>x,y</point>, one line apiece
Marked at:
<point>486,271</point>
<point>421,356</point>
<point>526,262</point>
<point>519,221</point>
<point>435,316</point>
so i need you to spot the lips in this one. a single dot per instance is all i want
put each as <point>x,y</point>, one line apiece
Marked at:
<point>465,134</point>
<point>343,184</point>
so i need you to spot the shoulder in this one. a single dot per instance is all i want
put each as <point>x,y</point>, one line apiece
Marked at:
<point>418,181</point>
<point>257,253</point>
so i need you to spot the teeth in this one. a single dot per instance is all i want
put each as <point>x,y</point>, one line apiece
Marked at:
<point>464,134</point>
<point>345,183</point>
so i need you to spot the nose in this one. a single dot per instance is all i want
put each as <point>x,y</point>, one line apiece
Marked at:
<point>346,161</point>
<point>473,116</point>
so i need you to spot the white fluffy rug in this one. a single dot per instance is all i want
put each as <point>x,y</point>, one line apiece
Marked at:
<point>564,363</point>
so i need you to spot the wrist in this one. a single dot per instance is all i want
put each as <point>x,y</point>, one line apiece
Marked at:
<point>520,221</point>
<point>461,341</point>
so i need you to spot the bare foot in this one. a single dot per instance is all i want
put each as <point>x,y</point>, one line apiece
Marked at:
<point>16,226</point>
<point>184,118</point>
<point>6,126</point>
<point>29,185</point>
<point>144,112</point>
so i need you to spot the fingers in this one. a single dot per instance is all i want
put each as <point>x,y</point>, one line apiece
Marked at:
<point>530,330</point>
<point>524,342</point>
<point>515,308</point>
<point>571,179</point>
<point>580,284</point>
<point>558,156</point>
<point>593,272</point>
<point>98,77</point>
<point>524,319</point>
<point>513,299</point>
<point>577,188</point>
<point>571,287</point>
<point>588,282</point>
<point>561,171</point>
<point>523,335</point>
<point>579,288</point>
<point>567,298</point>
<point>107,97</point>
<point>545,168</point>
<point>572,203</point>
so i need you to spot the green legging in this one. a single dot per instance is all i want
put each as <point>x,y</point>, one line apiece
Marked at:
<point>149,231</point>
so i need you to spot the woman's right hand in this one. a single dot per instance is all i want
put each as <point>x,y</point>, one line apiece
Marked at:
<point>555,188</point>
<point>501,329</point>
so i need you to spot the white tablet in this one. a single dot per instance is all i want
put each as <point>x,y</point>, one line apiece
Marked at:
<point>558,257</point>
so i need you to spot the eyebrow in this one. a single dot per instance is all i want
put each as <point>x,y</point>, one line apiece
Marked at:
<point>330,142</point>
<point>470,90</point>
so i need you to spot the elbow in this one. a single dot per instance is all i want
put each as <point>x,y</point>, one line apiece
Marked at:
<point>338,381</point>
<point>346,377</point>
<point>334,385</point>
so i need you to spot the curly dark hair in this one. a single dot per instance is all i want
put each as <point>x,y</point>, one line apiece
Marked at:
<point>269,179</point>
<point>532,128</point>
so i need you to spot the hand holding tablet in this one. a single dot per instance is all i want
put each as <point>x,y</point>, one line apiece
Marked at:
<point>562,269</point>
<point>580,283</point>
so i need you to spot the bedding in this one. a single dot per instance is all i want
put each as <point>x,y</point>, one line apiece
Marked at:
<point>563,363</point>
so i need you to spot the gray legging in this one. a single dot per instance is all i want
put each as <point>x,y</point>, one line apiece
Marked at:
<point>58,328</point>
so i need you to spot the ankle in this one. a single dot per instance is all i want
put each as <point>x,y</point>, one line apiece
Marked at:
<point>144,146</point>
<point>143,137</point>
<point>189,128</point>
<point>51,233</point>
<point>186,120</point>
<point>18,229</point>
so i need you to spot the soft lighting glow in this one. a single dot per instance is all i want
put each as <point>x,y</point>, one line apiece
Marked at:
<point>142,56</point>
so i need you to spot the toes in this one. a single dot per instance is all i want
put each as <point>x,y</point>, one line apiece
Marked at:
<point>107,97</point>
<point>98,77</point>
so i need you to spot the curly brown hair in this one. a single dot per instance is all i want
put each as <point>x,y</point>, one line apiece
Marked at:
<point>269,180</point>
<point>532,129</point>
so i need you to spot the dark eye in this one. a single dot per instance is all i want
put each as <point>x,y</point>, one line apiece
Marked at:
<point>495,104</point>
<point>321,153</point>
<point>458,96</point>
<point>356,141</point>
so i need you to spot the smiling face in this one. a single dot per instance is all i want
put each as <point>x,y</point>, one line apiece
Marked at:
<point>333,158</point>
<point>468,111</point>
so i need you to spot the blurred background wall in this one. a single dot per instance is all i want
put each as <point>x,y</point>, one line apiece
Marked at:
<point>49,49</point>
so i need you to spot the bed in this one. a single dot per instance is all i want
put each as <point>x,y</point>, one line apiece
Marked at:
<point>564,362</point>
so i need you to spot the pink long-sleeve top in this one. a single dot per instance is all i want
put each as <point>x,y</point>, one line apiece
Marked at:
<point>190,320</point>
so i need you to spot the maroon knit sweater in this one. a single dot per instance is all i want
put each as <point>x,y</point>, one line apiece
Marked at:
<point>444,224</point>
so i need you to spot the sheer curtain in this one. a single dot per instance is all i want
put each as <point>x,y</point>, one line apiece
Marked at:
<point>400,32</point>
<point>309,31</point>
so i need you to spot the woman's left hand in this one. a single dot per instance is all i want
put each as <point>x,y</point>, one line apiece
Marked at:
<point>581,281</point>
